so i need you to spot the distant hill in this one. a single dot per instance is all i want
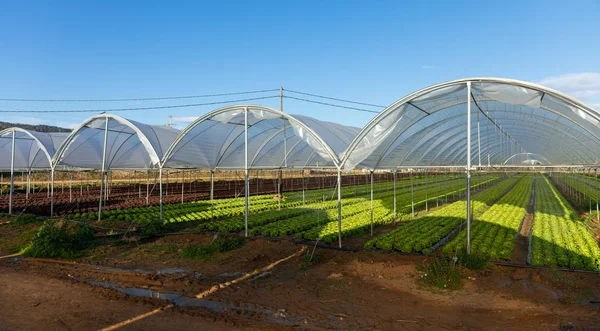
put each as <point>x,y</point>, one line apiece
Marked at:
<point>39,128</point>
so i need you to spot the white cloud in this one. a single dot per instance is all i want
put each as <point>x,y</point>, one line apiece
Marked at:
<point>585,85</point>
<point>184,119</point>
<point>427,67</point>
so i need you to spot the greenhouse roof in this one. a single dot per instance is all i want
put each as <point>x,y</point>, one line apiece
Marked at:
<point>513,123</point>
<point>508,118</point>
<point>33,150</point>
<point>275,140</point>
<point>128,144</point>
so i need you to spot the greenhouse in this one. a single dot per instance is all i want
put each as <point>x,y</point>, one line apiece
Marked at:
<point>451,165</point>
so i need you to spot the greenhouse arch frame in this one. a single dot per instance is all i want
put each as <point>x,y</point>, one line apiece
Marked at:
<point>46,146</point>
<point>527,102</point>
<point>436,115</point>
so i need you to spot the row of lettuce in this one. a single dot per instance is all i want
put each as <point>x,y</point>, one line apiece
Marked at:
<point>559,238</point>
<point>430,189</point>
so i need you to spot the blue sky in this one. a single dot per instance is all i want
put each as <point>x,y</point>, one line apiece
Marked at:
<point>370,51</point>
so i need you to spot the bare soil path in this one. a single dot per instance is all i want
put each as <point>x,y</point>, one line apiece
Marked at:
<point>345,290</point>
<point>521,250</point>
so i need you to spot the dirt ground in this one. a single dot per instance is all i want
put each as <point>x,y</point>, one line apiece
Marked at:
<point>342,290</point>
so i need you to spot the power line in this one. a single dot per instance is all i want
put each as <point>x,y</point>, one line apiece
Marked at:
<point>331,105</point>
<point>138,108</point>
<point>335,99</point>
<point>141,99</point>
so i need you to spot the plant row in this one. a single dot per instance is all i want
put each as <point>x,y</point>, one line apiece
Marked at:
<point>559,238</point>
<point>493,234</point>
<point>423,233</point>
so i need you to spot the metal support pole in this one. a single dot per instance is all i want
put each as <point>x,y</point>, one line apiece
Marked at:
<point>395,213</point>
<point>597,205</point>
<point>103,169</point>
<point>212,187</point>
<point>52,192</point>
<point>70,187</point>
<point>588,177</point>
<point>303,188</point>
<point>478,141</point>
<point>412,193</point>
<point>12,173</point>
<point>160,193</point>
<point>147,186</point>
<point>28,185</point>
<point>246,182</point>
<point>437,195</point>
<point>182,184</point>
<point>279,189</point>
<point>487,134</point>
<point>468,167</point>
<point>426,191</point>
<point>339,205</point>
<point>371,203</point>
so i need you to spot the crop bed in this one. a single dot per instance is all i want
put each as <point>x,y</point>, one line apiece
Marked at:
<point>223,208</point>
<point>421,234</point>
<point>494,233</point>
<point>559,238</point>
<point>83,198</point>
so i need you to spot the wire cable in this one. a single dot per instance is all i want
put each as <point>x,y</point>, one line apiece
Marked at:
<point>138,108</point>
<point>331,105</point>
<point>335,99</point>
<point>141,99</point>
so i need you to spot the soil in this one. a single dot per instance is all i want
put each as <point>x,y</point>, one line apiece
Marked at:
<point>521,250</point>
<point>337,290</point>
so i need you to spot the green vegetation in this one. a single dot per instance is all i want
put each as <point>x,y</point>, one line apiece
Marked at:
<point>471,261</point>
<point>559,237</point>
<point>52,241</point>
<point>441,273</point>
<point>494,233</point>
<point>24,219</point>
<point>219,245</point>
<point>421,234</point>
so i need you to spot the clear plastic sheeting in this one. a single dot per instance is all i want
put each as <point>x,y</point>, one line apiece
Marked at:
<point>129,144</point>
<point>275,140</point>
<point>429,128</point>
<point>33,150</point>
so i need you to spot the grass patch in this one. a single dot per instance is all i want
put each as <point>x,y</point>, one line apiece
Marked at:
<point>52,241</point>
<point>471,261</point>
<point>23,219</point>
<point>219,245</point>
<point>161,248</point>
<point>310,259</point>
<point>11,242</point>
<point>441,273</point>
<point>153,228</point>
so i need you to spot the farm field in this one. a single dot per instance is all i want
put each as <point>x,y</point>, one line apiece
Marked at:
<point>129,275</point>
<point>309,215</point>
